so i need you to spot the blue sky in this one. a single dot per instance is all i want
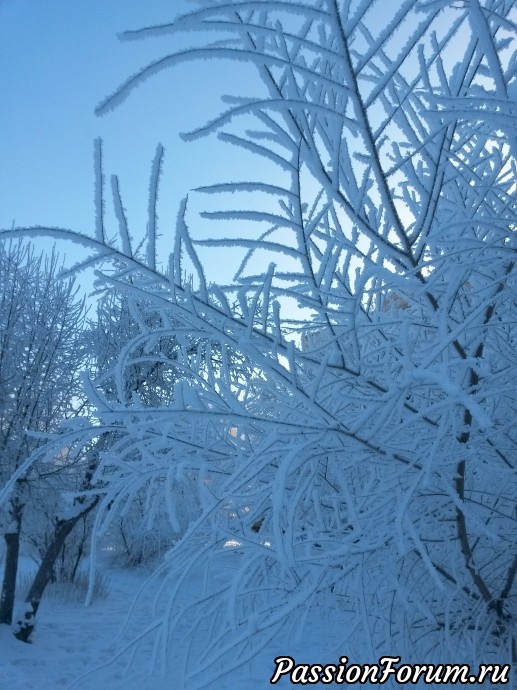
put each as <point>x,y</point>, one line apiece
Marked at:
<point>58,59</point>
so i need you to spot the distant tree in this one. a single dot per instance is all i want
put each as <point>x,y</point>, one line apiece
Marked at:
<point>41,321</point>
<point>136,362</point>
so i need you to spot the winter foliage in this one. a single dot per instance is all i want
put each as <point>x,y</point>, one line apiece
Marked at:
<point>332,430</point>
<point>41,350</point>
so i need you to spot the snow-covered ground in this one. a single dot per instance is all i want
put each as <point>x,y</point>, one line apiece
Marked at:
<point>76,647</point>
<point>79,647</point>
<point>73,646</point>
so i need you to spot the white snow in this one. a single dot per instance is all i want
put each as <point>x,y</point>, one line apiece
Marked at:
<point>77,647</point>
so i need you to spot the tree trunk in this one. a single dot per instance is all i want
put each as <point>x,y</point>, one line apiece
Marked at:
<point>12,543</point>
<point>25,625</point>
<point>80,552</point>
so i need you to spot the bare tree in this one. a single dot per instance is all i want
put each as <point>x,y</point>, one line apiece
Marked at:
<point>40,357</point>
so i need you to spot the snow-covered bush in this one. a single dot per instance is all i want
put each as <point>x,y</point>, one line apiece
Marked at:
<point>68,592</point>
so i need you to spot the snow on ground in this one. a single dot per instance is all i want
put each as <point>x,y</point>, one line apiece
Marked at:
<point>75,648</point>
<point>85,648</point>
<point>73,643</point>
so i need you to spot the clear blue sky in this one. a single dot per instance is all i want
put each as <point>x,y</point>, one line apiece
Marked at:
<point>58,59</point>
